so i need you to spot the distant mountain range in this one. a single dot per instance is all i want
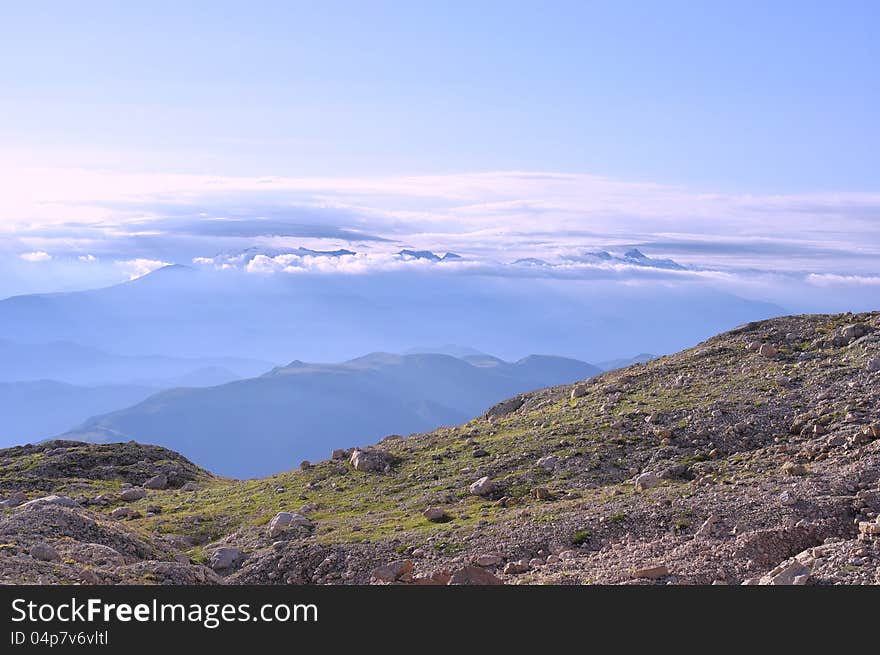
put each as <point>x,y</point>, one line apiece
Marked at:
<point>189,313</point>
<point>73,363</point>
<point>300,411</point>
<point>35,410</point>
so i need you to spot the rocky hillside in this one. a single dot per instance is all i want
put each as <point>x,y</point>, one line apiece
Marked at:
<point>752,458</point>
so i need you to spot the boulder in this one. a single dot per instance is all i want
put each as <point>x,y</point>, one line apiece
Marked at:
<point>285,520</point>
<point>790,573</point>
<point>506,407</point>
<point>646,480</point>
<point>124,513</point>
<point>515,568</point>
<point>767,351</point>
<point>340,453</point>
<point>580,390</point>
<point>224,559</point>
<point>488,560</point>
<point>157,482</point>
<point>482,487</point>
<point>874,365</point>
<point>397,571</point>
<point>135,493</point>
<point>63,501</point>
<point>651,572</point>
<point>543,493</point>
<point>44,553</point>
<point>189,486</point>
<point>548,462</point>
<point>474,575</point>
<point>371,460</point>
<point>793,468</point>
<point>436,515</point>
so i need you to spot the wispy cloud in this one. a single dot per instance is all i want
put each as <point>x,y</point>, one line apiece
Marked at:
<point>35,256</point>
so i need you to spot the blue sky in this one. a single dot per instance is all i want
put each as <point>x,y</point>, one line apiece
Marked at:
<point>730,96</point>
<point>738,138</point>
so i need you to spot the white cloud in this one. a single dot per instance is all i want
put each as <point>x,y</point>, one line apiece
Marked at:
<point>832,280</point>
<point>139,267</point>
<point>87,258</point>
<point>36,256</point>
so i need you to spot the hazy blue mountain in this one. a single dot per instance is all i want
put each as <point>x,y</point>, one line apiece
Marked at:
<point>70,362</point>
<point>31,411</point>
<point>450,349</point>
<point>301,411</point>
<point>612,364</point>
<point>185,313</point>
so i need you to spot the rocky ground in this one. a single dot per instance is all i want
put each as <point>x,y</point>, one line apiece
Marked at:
<point>753,458</point>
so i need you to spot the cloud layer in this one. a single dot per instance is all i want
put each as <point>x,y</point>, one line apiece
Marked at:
<point>518,224</point>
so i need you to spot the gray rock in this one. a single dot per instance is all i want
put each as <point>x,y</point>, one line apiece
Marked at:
<point>397,571</point>
<point>580,390</point>
<point>482,487</point>
<point>224,559</point>
<point>371,460</point>
<point>44,553</point>
<point>14,500</point>
<point>436,515</point>
<point>506,407</point>
<point>646,481</point>
<point>64,501</point>
<point>130,495</point>
<point>474,575</point>
<point>548,462</point>
<point>285,520</point>
<point>158,482</point>
<point>189,486</point>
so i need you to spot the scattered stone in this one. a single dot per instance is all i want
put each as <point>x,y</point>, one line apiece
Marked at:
<point>482,487</point>
<point>504,408</point>
<point>130,495</point>
<point>371,460</point>
<point>787,498</point>
<point>224,559</point>
<point>157,482</point>
<point>580,390</point>
<point>651,572</point>
<point>64,501</point>
<point>474,575</point>
<point>543,493</point>
<point>646,481</point>
<point>479,452</point>
<point>44,553</point>
<point>488,560</point>
<point>121,513</point>
<point>397,571</point>
<point>793,468</point>
<point>791,573</point>
<point>16,499</point>
<point>189,486</point>
<point>516,568</point>
<point>548,462</point>
<point>436,515</point>
<point>674,472</point>
<point>285,520</point>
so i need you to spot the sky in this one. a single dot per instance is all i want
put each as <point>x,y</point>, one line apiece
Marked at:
<point>738,139</point>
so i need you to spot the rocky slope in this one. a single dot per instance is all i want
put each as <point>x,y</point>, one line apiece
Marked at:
<point>753,457</point>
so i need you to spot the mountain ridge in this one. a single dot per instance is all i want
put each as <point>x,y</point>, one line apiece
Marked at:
<point>751,458</point>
